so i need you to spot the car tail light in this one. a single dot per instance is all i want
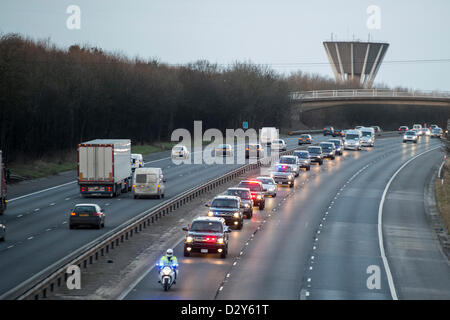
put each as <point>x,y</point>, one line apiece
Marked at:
<point>97,214</point>
<point>109,189</point>
<point>73,214</point>
<point>83,189</point>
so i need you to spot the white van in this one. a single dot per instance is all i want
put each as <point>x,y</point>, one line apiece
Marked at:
<point>137,161</point>
<point>418,127</point>
<point>267,135</point>
<point>368,137</point>
<point>352,139</point>
<point>148,182</point>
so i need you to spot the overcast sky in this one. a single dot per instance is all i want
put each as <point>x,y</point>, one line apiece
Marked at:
<point>286,34</point>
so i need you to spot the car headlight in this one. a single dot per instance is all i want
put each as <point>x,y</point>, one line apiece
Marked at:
<point>210,213</point>
<point>236,214</point>
<point>247,205</point>
<point>189,239</point>
<point>289,177</point>
<point>220,240</point>
<point>258,197</point>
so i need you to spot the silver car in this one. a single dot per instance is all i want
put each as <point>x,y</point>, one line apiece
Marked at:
<point>410,136</point>
<point>328,150</point>
<point>339,144</point>
<point>269,185</point>
<point>283,174</point>
<point>291,161</point>
<point>303,159</point>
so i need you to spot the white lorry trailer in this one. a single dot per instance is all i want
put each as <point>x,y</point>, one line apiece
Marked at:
<point>104,167</point>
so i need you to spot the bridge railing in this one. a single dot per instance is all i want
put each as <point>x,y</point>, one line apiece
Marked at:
<point>354,93</point>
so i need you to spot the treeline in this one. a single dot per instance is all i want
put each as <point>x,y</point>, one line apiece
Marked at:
<point>53,99</point>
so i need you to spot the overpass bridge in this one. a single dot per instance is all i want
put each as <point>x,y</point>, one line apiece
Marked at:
<point>321,99</point>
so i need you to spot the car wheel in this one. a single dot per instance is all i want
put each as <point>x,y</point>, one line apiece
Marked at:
<point>261,205</point>
<point>99,226</point>
<point>274,195</point>
<point>291,185</point>
<point>2,239</point>
<point>223,255</point>
<point>186,253</point>
<point>135,196</point>
<point>71,226</point>
<point>321,163</point>
<point>240,225</point>
<point>415,141</point>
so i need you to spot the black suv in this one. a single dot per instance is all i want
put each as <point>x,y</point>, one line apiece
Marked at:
<point>229,208</point>
<point>257,191</point>
<point>328,131</point>
<point>315,154</point>
<point>207,235</point>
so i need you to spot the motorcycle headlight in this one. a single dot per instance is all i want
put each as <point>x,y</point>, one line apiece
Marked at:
<point>220,240</point>
<point>189,239</point>
<point>166,271</point>
<point>236,214</point>
<point>210,214</point>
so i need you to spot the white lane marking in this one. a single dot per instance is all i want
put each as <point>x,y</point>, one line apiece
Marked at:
<point>67,199</point>
<point>45,190</point>
<point>30,238</point>
<point>440,170</point>
<point>64,222</point>
<point>380,226</point>
<point>36,210</point>
<point>11,246</point>
<point>20,216</point>
<point>52,204</point>
<point>47,230</point>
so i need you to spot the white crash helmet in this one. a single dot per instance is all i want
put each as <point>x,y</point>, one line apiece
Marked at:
<point>169,252</point>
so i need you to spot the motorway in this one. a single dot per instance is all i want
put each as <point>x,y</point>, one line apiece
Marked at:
<point>38,234</point>
<point>321,239</point>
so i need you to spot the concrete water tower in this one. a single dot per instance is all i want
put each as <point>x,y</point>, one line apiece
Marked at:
<point>355,60</point>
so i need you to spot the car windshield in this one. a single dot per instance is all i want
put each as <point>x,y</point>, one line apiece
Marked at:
<point>266,180</point>
<point>315,150</point>
<point>366,133</point>
<point>304,137</point>
<point>224,203</point>
<point>206,226</point>
<point>410,133</point>
<point>287,160</point>
<point>326,146</point>
<point>352,136</point>
<point>251,185</point>
<point>337,143</point>
<point>243,194</point>
<point>282,168</point>
<point>222,146</point>
<point>84,209</point>
<point>301,155</point>
<point>178,148</point>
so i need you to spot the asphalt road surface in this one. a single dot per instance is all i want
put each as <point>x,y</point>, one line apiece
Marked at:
<point>321,239</point>
<point>38,234</point>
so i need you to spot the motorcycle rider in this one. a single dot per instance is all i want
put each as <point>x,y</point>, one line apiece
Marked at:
<point>171,260</point>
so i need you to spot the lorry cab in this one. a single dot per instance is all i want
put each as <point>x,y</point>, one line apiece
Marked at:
<point>267,135</point>
<point>148,182</point>
<point>137,161</point>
